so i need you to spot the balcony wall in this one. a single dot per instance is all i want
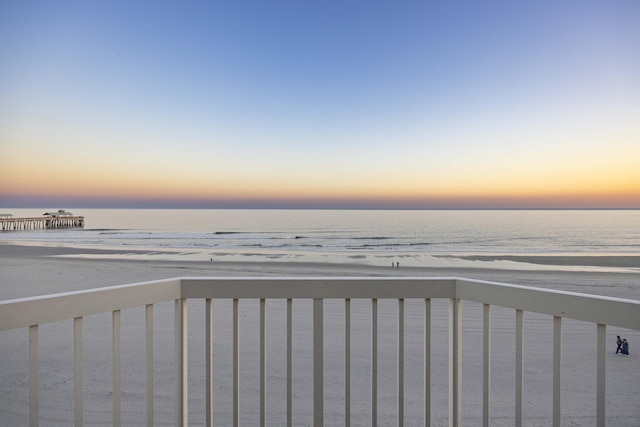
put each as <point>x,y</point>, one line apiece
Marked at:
<point>262,351</point>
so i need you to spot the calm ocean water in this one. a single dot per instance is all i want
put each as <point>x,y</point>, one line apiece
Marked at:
<point>427,238</point>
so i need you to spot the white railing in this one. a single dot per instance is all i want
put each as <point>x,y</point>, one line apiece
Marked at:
<point>601,311</point>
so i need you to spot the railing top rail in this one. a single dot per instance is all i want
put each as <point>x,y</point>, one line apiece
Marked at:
<point>24,312</point>
<point>319,287</point>
<point>50,308</point>
<point>579,306</point>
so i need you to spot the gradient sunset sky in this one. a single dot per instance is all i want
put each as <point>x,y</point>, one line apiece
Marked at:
<point>349,104</point>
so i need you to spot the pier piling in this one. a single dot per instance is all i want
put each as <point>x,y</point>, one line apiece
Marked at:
<point>9,223</point>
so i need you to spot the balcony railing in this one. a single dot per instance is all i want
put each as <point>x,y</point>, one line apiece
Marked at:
<point>600,311</point>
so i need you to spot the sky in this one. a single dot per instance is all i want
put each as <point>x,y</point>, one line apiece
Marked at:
<point>320,104</point>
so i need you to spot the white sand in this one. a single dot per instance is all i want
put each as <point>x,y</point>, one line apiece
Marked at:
<point>28,271</point>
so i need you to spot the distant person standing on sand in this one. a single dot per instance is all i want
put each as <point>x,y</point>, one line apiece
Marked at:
<point>625,347</point>
<point>619,342</point>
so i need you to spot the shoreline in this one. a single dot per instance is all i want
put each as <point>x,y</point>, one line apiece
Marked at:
<point>622,263</point>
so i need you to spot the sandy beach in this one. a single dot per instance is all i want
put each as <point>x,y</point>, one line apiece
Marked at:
<point>34,270</point>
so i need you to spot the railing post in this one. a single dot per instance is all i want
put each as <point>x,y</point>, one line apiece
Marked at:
<point>289,362</point>
<point>236,362</point>
<point>209,361</point>
<point>519,365</point>
<point>427,362</point>
<point>181,360</point>
<point>374,362</point>
<point>318,372</point>
<point>34,387</point>
<point>347,362</point>
<point>601,376</point>
<point>263,363</point>
<point>557,369</point>
<point>149,351</point>
<point>77,340</point>
<point>116,368</point>
<point>486,366</point>
<point>401,361</point>
<point>455,360</point>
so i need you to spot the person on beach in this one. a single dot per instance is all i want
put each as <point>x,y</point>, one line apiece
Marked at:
<point>625,347</point>
<point>619,342</point>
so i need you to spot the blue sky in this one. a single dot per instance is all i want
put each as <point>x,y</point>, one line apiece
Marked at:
<point>390,104</point>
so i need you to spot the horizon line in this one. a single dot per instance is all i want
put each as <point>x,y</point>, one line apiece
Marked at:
<point>337,208</point>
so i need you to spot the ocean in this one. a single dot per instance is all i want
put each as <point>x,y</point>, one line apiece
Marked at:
<point>430,238</point>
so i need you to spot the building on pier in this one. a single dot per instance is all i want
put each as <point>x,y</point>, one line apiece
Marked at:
<point>59,213</point>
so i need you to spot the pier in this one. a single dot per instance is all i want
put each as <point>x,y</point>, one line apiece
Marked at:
<point>57,219</point>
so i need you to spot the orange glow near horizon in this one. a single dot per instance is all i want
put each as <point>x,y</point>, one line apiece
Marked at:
<point>589,176</point>
<point>594,194</point>
<point>145,182</point>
